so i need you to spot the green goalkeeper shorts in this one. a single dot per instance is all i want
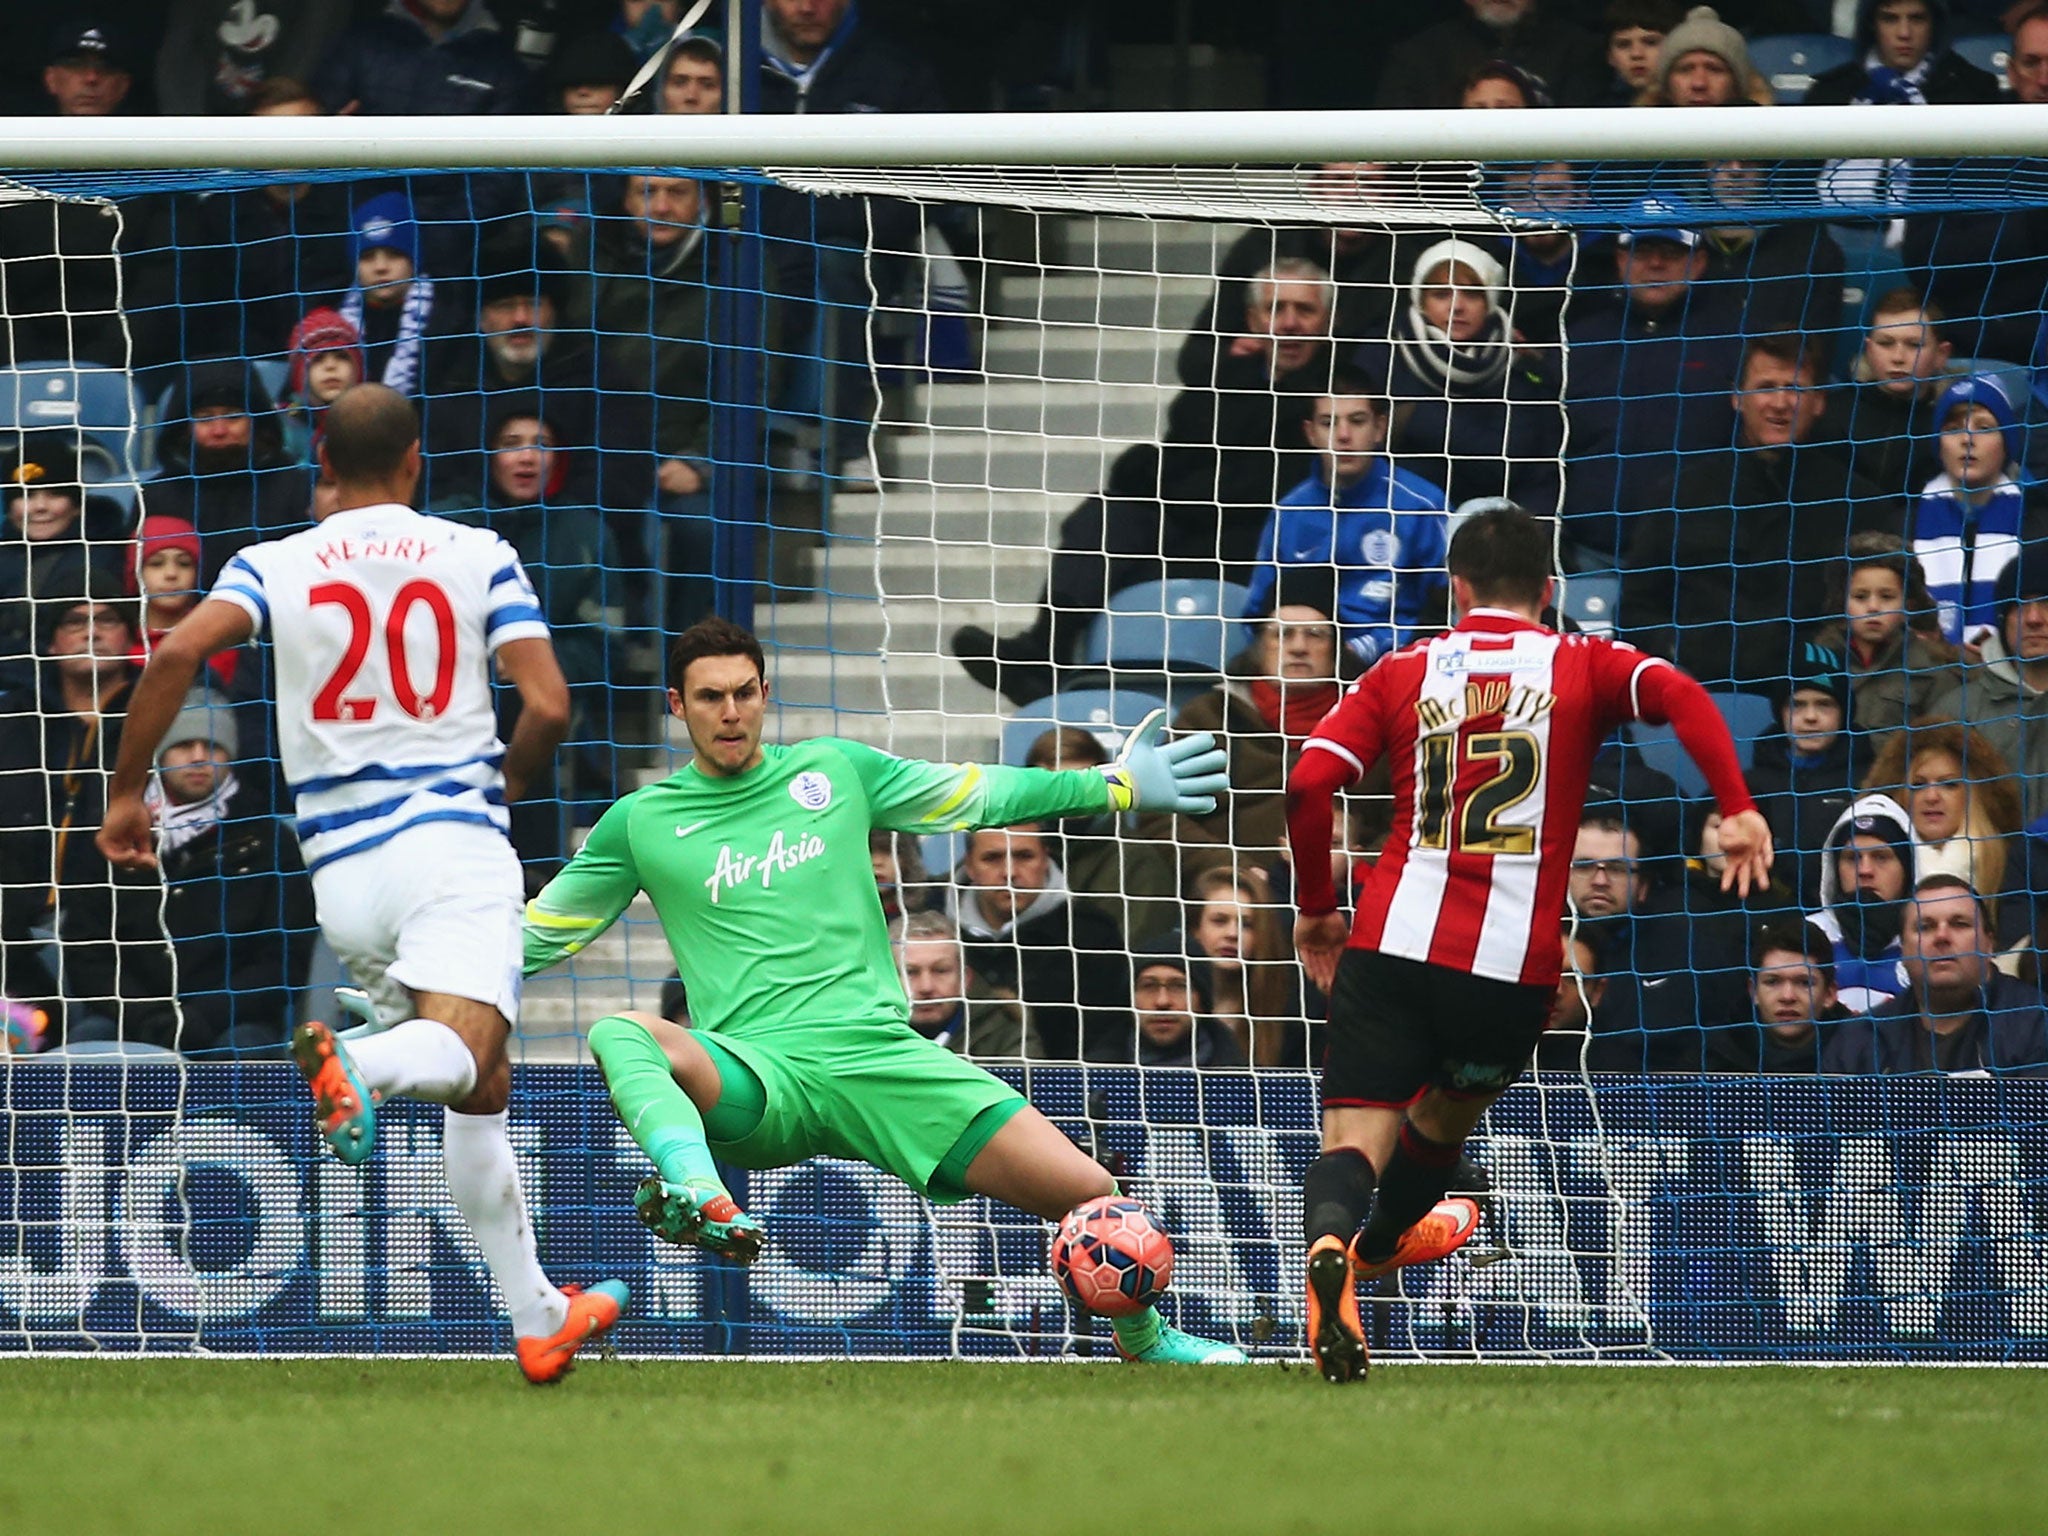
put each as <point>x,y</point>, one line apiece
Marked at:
<point>878,1093</point>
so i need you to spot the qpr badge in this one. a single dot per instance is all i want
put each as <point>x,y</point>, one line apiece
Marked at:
<point>1380,547</point>
<point>812,791</point>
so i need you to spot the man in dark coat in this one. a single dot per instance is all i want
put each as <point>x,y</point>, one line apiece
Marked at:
<point>226,470</point>
<point>1958,1014</point>
<point>1428,69</point>
<point>1804,776</point>
<point>1720,584</point>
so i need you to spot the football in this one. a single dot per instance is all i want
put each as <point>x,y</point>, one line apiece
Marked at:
<point>1110,1257</point>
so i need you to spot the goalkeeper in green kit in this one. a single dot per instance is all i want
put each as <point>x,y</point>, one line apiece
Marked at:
<point>756,861</point>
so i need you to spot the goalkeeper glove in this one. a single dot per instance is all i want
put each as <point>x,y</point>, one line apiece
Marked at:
<point>1183,776</point>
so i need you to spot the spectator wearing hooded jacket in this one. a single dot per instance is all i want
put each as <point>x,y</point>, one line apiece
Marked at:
<point>1866,870</point>
<point>1805,775</point>
<point>1028,939</point>
<point>1380,527</point>
<point>1652,360</point>
<point>226,469</point>
<point>1972,519</point>
<point>1958,1014</point>
<point>2004,695</point>
<point>1473,413</point>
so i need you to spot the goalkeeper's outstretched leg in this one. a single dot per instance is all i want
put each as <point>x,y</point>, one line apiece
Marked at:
<point>1031,1165</point>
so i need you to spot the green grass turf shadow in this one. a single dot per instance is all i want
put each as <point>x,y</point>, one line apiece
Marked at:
<point>160,1448</point>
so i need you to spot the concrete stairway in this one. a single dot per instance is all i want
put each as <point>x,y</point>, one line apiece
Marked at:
<point>1078,359</point>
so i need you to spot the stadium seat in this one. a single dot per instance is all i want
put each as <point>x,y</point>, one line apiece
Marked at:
<point>1592,601</point>
<point>1749,717</point>
<point>1987,50</point>
<point>1792,59</point>
<point>1163,635</point>
<point>101,403</point>
<point>1108,712</point>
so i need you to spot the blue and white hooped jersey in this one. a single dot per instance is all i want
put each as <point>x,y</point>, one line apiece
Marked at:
<point>384,623</point>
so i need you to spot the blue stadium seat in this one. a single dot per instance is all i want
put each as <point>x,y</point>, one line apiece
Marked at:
<point>1987,50</point>
<point>1792,59</point>
<point>100,403</point>
<point>1592,601</point>
<point>1162,635</point>
<point>1108,712</point>
<point>1749,717</point>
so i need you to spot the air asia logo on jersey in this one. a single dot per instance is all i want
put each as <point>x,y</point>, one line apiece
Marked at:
<point>783,854</point>
<point>812,791</point>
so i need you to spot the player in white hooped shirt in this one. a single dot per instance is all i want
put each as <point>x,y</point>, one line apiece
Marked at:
<point>386,625</point>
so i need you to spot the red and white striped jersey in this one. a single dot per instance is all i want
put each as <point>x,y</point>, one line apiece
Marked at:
<point>1490,731</point>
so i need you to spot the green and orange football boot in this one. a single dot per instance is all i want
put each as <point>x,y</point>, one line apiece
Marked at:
<point>343,1109</point>
<point>698,1215</point>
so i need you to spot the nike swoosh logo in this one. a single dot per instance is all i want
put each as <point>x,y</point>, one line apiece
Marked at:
<point>693,826</point>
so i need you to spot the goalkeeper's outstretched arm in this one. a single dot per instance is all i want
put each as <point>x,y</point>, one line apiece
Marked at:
<point>909,795</point>
<point>587,896</point>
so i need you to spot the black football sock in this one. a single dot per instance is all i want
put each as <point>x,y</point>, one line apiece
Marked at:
<point>1417,1176</point>
<point>1336,1192</point>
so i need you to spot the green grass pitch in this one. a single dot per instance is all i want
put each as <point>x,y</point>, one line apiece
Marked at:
<point>346,1448</point>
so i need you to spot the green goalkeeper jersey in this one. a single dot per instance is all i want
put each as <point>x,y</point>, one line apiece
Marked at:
<point>763,882</point>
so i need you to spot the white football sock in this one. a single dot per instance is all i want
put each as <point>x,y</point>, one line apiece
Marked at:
<point>421,1058</point>
<point>483,1176</point>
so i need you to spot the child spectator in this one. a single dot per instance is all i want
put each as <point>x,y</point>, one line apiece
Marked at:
<point>1805,776</point>
<point>391,305</point>
<point>590,74</point>
<point>1883,414</point>
<point>326,358</point>
<point>1866,870</point>
<point>1382,527</point>
<point>1636,30</point>
<point>165,576</point>
<point>1972,517</point>
<point>1890,635</point>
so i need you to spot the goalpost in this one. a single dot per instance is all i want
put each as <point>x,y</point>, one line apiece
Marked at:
<point>167,1204</point>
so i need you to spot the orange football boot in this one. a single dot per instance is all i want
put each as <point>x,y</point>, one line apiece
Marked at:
<point>1336,1337</point>
<point>1446,1229</point>
<point>546,1361</point>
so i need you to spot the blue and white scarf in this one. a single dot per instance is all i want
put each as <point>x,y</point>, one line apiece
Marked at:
<point>402,370</point>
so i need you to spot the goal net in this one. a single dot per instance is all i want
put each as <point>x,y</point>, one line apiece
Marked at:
<point>996,459</point>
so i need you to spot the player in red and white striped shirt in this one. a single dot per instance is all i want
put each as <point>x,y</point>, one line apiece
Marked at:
<point>1442,985</point>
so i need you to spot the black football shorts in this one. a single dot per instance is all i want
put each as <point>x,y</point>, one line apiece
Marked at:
<point>1401,1027</point>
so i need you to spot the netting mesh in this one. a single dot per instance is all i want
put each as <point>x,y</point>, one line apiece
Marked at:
<point>1082,430</point>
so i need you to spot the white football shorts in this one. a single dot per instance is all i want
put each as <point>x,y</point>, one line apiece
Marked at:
<point>438,908</point>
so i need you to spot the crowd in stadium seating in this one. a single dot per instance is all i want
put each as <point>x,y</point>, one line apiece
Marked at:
<point>1853,542</point>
